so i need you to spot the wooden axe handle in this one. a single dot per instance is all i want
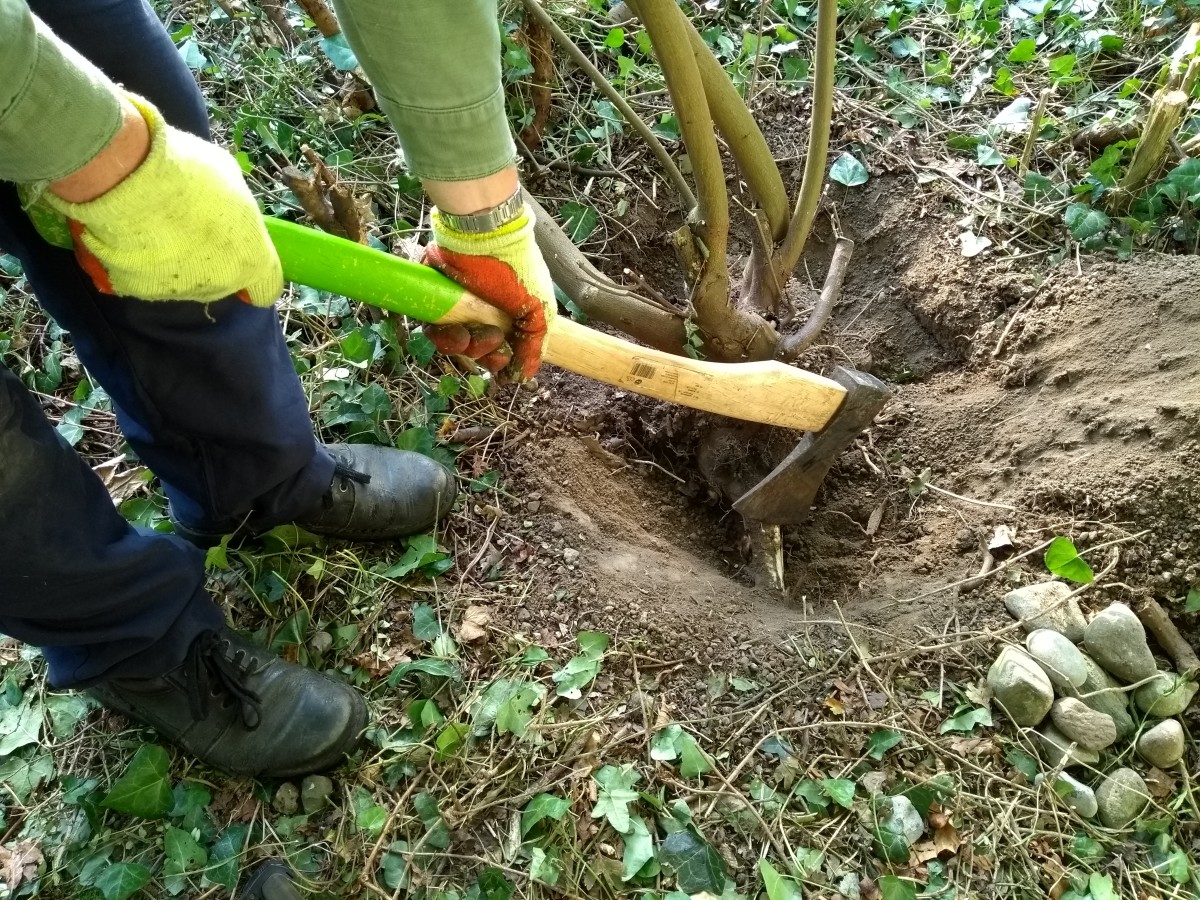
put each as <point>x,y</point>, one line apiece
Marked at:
<point>768,391</point>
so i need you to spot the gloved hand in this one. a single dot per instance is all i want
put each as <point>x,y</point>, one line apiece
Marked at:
<point>183,225</point>
<point>505,268</point>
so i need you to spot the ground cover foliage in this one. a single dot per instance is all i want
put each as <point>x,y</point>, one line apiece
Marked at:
<point>508,762</point>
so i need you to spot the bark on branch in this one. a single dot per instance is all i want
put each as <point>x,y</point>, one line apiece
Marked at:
<point>534,9</point>
<point>792,346</point>
<point>813,180</point>
<point>598,296</point>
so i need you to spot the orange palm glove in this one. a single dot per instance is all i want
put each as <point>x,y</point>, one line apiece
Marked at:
<point>505,268</point>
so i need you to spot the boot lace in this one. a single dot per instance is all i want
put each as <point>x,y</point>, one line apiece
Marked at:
<point>343,477</point>
<point>212,673</point>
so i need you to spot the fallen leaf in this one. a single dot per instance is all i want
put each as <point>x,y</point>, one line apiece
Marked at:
<point>946,839</point>
<point>1160,783</point>
<point>20,864</point>
<point>1054,878</point>
<point>925,851</point>
<point>474,624</point>
<point>835,706</point>
<point>980,746</point>
<point>876,700</point>
<point>122,483</point>
<point>973,244</point>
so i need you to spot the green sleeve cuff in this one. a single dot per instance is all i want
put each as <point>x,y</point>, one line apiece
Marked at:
<point>435,67</point>
<point>57,110</point>
<point>454,144</point>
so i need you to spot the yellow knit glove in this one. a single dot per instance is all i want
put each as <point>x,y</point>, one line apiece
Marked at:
<point>505,268</point>
<point>182,226</point>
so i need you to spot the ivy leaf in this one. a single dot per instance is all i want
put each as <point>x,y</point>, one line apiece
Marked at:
<point>672,742</point>
<point>122,880</point>
<point>544,867</point>
<point>20,726</point>
<point>339,52</point>
<point>639,848</point>
<point>1085,849</point>
<point>422,550</point>
<point>1022,762</point>
<point>697,866</point>
<point>540,808</point>
<point>881,741</point>
<point>1063,560</point>
<point>615,795</point>
<point>425,624</point>
<point>840,790</point>
<point>1085,222</point>
<point>493,885</point>
<point>967,720</point>
<point>144,790</point>
<point>1192,604</point>
<point>223,858</point>
<point>778,887</point>
<point>810,792</point>
<point>23,775</point>
<point>580,670</point>
<point>1023,52</point>
<point>847,170</point>
<point>515,713</point>
<point>892,887</point>
<point>183,855</point>
<point>580,219</point>
<point>1101,887</point>
<point>450,740</point>
<point>439,668</point>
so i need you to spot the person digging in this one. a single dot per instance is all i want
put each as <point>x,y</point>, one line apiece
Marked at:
<point>168,297</point>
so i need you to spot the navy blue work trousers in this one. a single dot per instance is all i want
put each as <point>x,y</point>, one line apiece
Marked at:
<point>205,394</point>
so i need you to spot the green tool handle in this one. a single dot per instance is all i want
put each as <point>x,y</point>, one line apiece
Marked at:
<point>330,263</point>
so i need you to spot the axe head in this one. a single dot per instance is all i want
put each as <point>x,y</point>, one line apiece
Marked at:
<point>786,495</point>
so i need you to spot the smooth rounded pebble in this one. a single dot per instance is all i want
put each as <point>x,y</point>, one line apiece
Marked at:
<point>1167,695</point>
<point>1078,795</point>
<point>1102,693</point>
<point>1162,745</point>
<point>1078,721</point>
<point>904,819</point>
<point>1020,687</point>
<point>1046,605</point>
<point>1054,745</point>
<point>1121,797</point>
<point>1059,657</point>
<point>1116,639</point>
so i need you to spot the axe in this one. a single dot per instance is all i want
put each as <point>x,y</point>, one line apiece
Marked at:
<point>768,392</point>
<point>834,410</point>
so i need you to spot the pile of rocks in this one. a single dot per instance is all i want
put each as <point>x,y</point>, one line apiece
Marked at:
<point>1078,701</point>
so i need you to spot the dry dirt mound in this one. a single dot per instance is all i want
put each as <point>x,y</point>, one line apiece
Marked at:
<point>1060,400</point>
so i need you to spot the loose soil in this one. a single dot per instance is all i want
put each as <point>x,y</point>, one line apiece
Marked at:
<point>1054,400</point>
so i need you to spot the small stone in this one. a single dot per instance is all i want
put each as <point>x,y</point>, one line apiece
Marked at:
<point>556,528</point>
<point>1044,606</point>
<point>1167,695</point>
<point>1162,745</point>
<point>1116,639</point>
<point>1079,797</point>
<point>1121,797</point>
<point>1090,729</point>
<point>321,641</point>
<point>1020,687</point>
<point>533,506</point>
<point>570,556</point>
<point>904,819</point>
<point>287,799</point>
<point>1103,694</point>
<point>1059,657</point>
<point>314,793</point>
<point>1054,745</point>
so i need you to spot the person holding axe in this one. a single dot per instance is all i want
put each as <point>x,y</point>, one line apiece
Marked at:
<point>168,296</point>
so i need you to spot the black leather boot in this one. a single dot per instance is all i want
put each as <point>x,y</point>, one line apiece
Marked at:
<point>381,492</point>
<point>376,493</point>
<point>239,708</point>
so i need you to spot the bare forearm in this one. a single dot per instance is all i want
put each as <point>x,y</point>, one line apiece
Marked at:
<point>120,157</point>
<point>475,195</point>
